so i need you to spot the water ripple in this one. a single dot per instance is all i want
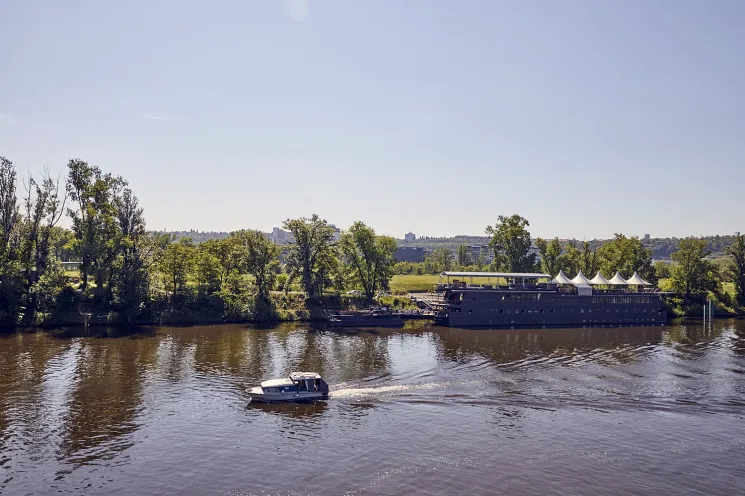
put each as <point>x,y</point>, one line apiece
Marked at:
<point>167,413</point>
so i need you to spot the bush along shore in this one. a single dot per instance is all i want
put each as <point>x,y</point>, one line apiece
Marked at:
<point>108,268</point>
<point>282,307</point>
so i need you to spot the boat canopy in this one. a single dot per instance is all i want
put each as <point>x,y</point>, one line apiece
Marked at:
<point>618,280</point>
<point>637,281</point>
<point>506,275</point>
<point>299,376</point>
<point>561,278</point>
<point>599,280</point>
<point>580,280</point>
<point>286,381</point>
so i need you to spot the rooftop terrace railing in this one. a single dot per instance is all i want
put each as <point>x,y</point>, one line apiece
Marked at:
<point>544,287</point>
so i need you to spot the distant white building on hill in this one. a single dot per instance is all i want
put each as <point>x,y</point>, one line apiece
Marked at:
<point>337,232</point>
<point>409,237</point>
<point>282,237</point>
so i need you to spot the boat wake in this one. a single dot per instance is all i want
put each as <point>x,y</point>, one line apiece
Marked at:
<point>357,392</point>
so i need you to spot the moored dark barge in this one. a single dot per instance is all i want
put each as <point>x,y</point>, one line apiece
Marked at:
<point>525,301</point>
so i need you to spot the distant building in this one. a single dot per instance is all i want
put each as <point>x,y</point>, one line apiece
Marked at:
<point>409,237</point>
<point>646,238</point>
<point>282,237</point>
<point>409,254</point>
<point>337,232</point>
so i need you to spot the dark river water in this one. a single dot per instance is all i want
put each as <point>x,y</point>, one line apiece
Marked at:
<point>424,410</point>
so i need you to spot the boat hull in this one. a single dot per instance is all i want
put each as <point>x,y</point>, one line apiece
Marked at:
<point>496,309</point>
<point>286,398</point>
<point>362,322</point>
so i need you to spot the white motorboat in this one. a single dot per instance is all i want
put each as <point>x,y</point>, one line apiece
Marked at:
<point>297,387</point>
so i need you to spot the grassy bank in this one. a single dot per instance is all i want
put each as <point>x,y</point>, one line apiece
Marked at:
<point>411,283</point>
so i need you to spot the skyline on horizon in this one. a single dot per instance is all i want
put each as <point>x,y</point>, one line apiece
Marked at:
<point>424,116</point>
<point>461,235</point>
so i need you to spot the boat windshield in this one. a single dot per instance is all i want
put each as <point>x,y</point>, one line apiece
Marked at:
<point>309,385</point>
<point>281,389</point>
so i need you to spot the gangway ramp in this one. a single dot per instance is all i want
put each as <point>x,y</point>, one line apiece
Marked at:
<point>431,301</point>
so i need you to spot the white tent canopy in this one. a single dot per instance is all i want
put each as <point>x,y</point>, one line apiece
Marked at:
<point>580,280</point>
<point>599,280</point>
<point>561,278</point>
<point>618,280</point>
<point>637,281</point>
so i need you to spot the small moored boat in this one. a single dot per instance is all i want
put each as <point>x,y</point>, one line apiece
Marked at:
<point>375,317</point>
<point>297,387</point>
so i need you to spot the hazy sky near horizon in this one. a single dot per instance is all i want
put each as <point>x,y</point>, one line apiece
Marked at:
<point>435,116</point>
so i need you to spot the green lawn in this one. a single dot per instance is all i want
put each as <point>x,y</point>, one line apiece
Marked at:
<point>728,287</point>
<point>410,282</point>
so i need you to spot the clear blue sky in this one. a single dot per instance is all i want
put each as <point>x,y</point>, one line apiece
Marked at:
<point>586,117</point>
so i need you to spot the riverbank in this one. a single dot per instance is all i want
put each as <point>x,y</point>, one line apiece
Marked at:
<point>81,310</point>
<point>86,308</point>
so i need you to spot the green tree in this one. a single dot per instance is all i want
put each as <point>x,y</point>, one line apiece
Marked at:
<point>693,276</point>
<point>9,210</point>
<point>481,261</point>
<point>229,253</point>
<point>662,270</point>
<point>11,271</point>
<point>331,273</point>
<point>175,265</point>
<point>130,282</point>
<point>94,220</point>
<point>370,257</point>
<point>403,268</point>
<point>571,259</point>
<point>550,253</point>
<point>737,267</point>
<point>511,244</point>
<point>439,260</point>
<point>43,208</point>
<point>208,268</point>
<point>464,258</point>
<point>626,255</point>
<point>310,254</point>
<point>259,260</point>
<point>589,261</point>
<point>30,275</point>
<point>61,244</point>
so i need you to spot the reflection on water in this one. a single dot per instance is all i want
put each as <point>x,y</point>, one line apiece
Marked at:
<point>421,409</point>
<point>291,410</point>
<point>513,346</point>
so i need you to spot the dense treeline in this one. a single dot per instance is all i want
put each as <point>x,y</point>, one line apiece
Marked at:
<point>662,248</point>
<point>665,247</point>
<point>30,242</point>
<point>132,275</point>
<point>129,274</point>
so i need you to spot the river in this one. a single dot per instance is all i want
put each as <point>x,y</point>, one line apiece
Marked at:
<point>424,410</point>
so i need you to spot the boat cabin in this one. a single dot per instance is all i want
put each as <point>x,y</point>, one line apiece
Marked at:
<point>296,387</point>
<point>296,382</point>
